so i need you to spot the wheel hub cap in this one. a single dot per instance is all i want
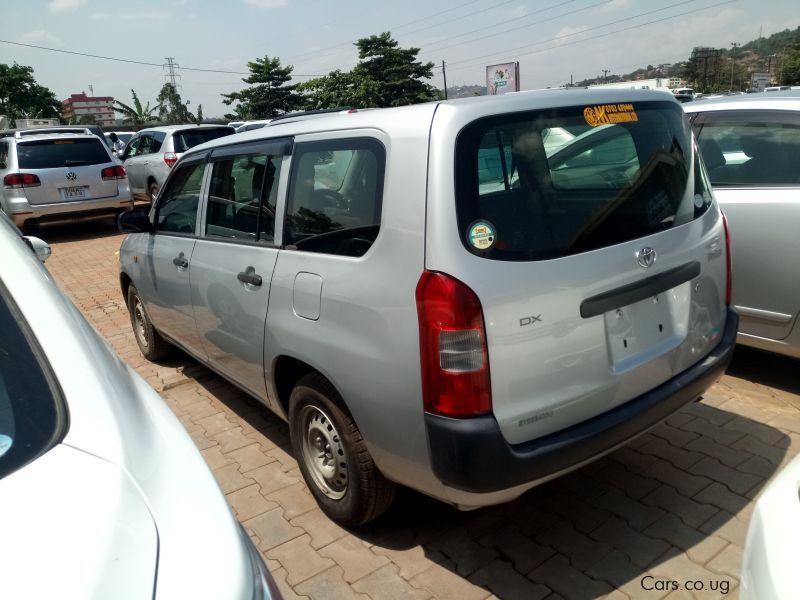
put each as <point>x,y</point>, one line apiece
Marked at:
<point>324,453</point>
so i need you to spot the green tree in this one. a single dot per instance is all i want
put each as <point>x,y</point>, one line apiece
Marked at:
<point>22,97</point>
<point>172,108</point>
<point>386,75</point>
<point>136,114</point>
<point>337,88</point>
<point>790,72</point>
<point>199,118</point>
<point>268,94</point>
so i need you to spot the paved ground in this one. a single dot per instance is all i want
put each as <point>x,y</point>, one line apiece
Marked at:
<point>673,505</point>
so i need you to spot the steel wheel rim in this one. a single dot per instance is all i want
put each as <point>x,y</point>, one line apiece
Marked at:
<point>323,452</point>
<point>139,321</point>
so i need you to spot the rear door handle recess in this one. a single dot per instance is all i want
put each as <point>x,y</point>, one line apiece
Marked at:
<point>180,261</point>
<point>249,276</point>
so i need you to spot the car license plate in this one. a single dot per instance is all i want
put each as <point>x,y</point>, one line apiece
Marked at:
<point>74,193</point>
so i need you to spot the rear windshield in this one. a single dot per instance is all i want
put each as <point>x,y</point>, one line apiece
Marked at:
<point>546,184</point>
<point>184,140</point>
<point>66,152</point>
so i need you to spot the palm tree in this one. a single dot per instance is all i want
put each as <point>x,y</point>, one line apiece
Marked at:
<point>137,114</point>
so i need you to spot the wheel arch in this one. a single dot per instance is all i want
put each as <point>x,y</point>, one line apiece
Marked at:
<point>287,371</point>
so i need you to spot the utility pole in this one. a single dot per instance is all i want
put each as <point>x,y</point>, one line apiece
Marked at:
<point>444,76</point>
<point>733,62</point>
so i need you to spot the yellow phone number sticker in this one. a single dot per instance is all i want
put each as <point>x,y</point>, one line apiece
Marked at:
<point>604,114</point>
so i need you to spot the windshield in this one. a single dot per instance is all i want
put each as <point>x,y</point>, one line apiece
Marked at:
<point>62,152</point>
<point>30,416</point>
<point>184,140</point>
<point>546,184</point>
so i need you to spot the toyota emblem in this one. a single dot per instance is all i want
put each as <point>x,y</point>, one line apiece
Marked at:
<point>71,175</point>
<point>646,257</point>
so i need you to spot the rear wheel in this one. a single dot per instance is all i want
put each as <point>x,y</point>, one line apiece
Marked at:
<point>150,342</point>
<point>332,455</point>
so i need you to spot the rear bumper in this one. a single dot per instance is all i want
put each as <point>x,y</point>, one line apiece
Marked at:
<point>472,455</point>
<point>22,213</point>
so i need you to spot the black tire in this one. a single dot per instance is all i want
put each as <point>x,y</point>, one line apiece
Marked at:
<point>350,489</point>
<point>152,191</point>
<point>150,342</point>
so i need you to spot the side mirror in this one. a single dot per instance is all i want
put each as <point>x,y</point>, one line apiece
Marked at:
<point>134,221</point>
<point>40,248</point>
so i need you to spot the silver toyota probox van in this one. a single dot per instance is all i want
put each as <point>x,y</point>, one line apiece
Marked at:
<point>445,296</point>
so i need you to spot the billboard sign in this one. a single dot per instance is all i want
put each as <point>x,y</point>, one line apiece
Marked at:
<point>502,78</point>
<point>759,81</point>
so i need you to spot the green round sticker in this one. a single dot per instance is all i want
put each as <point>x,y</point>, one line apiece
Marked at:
<point>481,235</point>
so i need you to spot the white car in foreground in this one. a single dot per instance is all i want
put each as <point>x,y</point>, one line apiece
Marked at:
<point>102,492</point>
<point>769,570</point>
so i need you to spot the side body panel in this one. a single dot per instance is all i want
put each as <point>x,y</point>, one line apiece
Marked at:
<point>365,338</point>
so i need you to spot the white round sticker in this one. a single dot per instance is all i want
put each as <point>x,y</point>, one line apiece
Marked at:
<point>482,235</point>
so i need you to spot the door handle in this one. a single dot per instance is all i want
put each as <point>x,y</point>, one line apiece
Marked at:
<point>249,276</point>
<point>180,261</point>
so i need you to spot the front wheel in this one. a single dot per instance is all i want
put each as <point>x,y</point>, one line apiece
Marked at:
<point>150,342</point>
<point>333,457</point>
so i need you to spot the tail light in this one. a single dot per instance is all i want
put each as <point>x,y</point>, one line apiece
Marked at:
<point>21,180</point>
<point>170,158</point>
<point>115,172</point>
<point>453,352</point>
<point>728,268</point>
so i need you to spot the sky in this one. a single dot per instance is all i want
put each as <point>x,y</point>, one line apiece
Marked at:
<point>551,39</point>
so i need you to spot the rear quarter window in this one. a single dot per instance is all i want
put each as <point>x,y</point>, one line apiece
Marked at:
<point>758,148</point>
<point>546,184</point>
<point>66,152</point>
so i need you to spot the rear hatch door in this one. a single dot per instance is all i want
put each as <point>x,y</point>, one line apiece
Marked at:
<point>599,262</point>
<point>69,169</point>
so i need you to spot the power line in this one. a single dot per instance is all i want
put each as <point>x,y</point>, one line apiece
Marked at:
<point>135,62</point>
<point>571,12</point>
<point>557,5</point>
<point>472,64</point>
<point>582,31</point>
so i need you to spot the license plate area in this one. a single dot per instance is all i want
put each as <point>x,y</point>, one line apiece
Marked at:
<point>74,193</point>
<point>640,332</point>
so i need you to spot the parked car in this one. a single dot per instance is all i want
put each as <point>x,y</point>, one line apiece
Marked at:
<point>769,568</point>
<point>101,489</point>
<point>432,297</point>
<point>751,147</point>
<point>152,152</point>
<point>51,178</point>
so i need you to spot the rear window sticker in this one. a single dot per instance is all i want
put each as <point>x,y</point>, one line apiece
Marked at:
<point>605,114</point>
<point>482,235</point>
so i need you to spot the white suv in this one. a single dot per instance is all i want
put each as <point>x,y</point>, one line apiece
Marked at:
<point>50,178</point>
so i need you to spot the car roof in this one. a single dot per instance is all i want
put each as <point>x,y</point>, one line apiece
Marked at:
<point>173,128</point>
<point>55,136</point>
<point>418,116</point>
<point>787,100</point>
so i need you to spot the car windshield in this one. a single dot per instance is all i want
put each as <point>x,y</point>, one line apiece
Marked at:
<point>61,152</point>
<point>558,182</point>
<point>31,417</point>
<point>183,140</point>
